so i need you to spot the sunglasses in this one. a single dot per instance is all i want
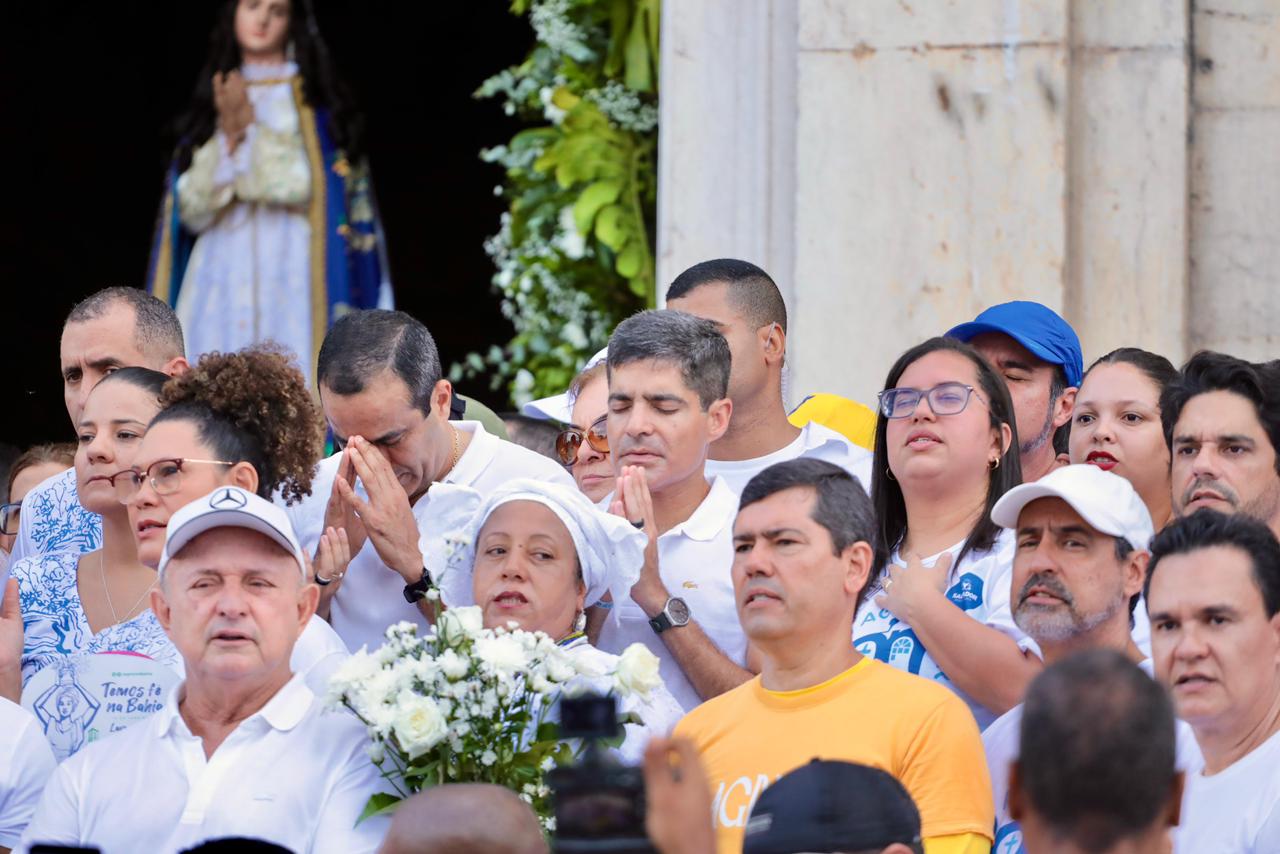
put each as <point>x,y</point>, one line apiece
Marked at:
<point>571,438</point>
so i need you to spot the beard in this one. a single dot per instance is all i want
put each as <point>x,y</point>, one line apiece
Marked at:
<point>1062,622</point>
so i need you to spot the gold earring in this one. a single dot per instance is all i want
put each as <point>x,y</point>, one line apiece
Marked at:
<point>994,464</point>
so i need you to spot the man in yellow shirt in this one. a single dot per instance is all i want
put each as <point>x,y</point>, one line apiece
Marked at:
<point>802,556</point>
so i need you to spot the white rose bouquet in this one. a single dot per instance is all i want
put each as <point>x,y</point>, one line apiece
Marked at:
<point>468,704</point>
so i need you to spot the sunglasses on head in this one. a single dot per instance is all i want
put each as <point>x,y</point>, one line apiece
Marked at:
<point>571,438</point>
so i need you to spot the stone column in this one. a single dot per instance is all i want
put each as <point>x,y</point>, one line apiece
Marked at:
<point>1235,178</point>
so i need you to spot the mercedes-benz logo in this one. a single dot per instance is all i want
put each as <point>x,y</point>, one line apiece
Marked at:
<point>228,498</point>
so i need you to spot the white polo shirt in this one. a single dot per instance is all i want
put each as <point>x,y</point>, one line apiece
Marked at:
<point>1001,741</point>
<point>695,560</point>
<point>816,441</point>
<point>372,596</point>
<point>25,765</point>
<point>292,774</point>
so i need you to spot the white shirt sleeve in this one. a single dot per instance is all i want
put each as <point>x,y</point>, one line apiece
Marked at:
<point>57,817</point>
<point>29,768</point>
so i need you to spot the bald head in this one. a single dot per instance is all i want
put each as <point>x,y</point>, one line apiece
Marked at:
<point>464,818</point>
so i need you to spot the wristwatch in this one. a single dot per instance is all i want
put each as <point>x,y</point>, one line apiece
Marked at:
<point>673,615</point>
<point>418,589</point>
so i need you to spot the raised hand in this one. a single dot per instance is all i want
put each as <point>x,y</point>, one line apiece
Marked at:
<point>905,588</point>
<point>12,639</point>
<point>633,502</point>
<point>339,513</point>
<point>231,99</point>
<point>387,517</point>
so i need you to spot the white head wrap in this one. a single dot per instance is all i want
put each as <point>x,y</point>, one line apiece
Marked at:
<point>610,550</point>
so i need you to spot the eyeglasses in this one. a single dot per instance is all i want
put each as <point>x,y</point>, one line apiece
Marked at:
<point>165,477</point>
<point>944,399</point>
<point>9,518</point>
<point>570,440</point>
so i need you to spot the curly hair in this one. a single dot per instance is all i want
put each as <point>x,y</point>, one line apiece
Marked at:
<point>252,406</point>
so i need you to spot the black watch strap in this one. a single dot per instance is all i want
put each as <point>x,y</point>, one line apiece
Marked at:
<point>418,589</point>
<point>660,623</point>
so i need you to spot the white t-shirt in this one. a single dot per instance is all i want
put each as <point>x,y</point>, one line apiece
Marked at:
<point>292,774</point>
<point>372,596</point>
<point>25,765</point>
<point>1237,810</point>
<point>816,441</point>
<point>978,585</point>
<point>695,560</point>
<point>1001,740</point>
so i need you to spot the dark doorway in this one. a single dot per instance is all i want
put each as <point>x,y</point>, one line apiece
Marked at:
<point>88,89</point>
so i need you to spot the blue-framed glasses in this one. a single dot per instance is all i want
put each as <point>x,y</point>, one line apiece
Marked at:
<point>944,399</point>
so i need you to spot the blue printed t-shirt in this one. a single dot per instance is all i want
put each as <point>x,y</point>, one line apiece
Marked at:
<point>979,586</point>
<point>53,520</point>
<point>56,626</point>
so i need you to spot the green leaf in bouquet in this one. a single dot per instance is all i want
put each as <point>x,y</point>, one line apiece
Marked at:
<point>548,731</point>
<point>379,804</point>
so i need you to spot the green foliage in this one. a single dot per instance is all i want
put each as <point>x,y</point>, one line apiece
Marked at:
<point>574,250</point>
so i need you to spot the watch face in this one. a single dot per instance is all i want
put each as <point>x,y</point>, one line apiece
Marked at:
<point>678,611</point>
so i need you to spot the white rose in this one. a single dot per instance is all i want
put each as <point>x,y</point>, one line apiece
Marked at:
<point>637,671</point>
<point>418,726</point>
<point>503,653</point>
<point>488,757</point>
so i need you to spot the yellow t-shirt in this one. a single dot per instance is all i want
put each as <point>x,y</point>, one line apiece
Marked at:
<point>850,419</point>
<point>872,714</point>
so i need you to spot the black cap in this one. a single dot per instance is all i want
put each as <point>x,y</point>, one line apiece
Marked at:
<point>832,806</point>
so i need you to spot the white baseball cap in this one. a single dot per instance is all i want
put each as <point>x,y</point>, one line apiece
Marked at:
<point>559,407</point>
<point>1108,502</point>
<point>230,507</point>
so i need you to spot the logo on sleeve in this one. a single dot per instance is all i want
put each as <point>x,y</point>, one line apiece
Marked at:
<point>967,592</point>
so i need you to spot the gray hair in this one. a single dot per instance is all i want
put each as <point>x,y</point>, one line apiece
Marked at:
<point>363,344</point>
<point>693,344</point>
<point>156,328</point>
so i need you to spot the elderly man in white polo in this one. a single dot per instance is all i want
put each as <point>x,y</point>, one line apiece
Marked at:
<point>242,748</point>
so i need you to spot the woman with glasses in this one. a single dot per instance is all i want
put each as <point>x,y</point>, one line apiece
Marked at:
<point>76,603</point>
<point>240,419</point>
<point>32,468</point>
<point>584,447</point>
<point>939,605</point>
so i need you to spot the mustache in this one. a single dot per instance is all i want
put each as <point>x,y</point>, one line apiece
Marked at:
<point>1048,583</point>
<point>1211,483</point>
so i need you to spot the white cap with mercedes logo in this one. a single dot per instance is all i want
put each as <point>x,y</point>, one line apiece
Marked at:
<point>230,507</point>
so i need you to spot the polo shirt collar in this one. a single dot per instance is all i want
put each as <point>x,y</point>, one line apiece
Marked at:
<point>476,458</point>
<point>710,517</point>
<point>284,711</point>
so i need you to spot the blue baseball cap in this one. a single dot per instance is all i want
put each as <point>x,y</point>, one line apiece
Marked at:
<point>1034,326</point>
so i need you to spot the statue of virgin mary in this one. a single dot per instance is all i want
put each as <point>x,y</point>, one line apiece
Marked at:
<point>268,229</point>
